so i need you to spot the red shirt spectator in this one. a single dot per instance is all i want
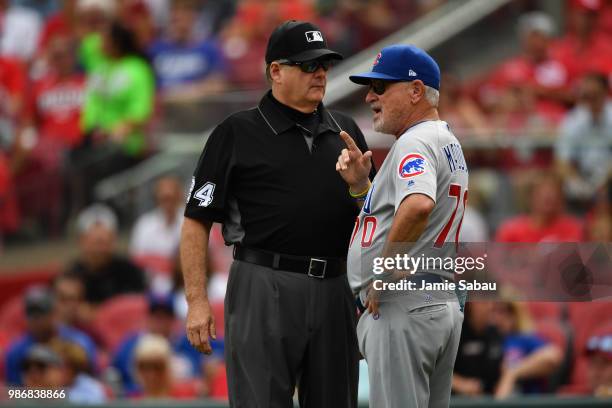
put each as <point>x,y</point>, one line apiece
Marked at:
<point>587,46</point>
<point>546,221</point>
<point>56,104</point>
<point>538,73</point>
<point>525,229</point>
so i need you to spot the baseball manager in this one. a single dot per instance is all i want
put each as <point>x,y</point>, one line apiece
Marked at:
<point>414,206</point>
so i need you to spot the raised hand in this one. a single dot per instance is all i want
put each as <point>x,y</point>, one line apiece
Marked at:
<point>353,165</point>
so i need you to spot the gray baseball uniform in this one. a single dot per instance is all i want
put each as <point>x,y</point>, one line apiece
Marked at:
<point>411,346</point>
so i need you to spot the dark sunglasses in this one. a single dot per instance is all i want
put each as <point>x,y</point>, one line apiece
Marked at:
<point>309,67</point>
<point>29,365</point>
<point>152,365</point>
<point>379,86</point>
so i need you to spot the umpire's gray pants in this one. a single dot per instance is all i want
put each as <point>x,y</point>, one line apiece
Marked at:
<point>284,329</point>
<point>411,349</point>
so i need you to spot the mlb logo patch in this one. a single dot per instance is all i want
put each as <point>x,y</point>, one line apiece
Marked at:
<point>312,36</point>
<point>411,165</point>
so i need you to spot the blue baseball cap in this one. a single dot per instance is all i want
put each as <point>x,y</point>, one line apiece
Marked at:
<point>402,63</point>
<point>161,301</point>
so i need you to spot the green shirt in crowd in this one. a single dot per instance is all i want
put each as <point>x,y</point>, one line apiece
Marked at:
<point>119,91</point>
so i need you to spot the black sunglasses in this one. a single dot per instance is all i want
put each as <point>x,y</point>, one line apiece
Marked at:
<point>309,67</point>
<point>379,86</point>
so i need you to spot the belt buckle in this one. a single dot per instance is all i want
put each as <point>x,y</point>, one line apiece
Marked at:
<point>317,267</point>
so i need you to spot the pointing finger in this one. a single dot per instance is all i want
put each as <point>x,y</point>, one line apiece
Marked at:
<point>348,140</point>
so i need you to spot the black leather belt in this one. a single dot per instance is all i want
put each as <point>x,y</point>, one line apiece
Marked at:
<point>314,267</point>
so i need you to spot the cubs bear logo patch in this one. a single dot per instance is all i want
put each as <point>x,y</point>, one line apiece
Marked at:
<point>412,165</point>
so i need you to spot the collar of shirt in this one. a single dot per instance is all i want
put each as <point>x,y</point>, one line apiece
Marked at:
<point>280,122</point>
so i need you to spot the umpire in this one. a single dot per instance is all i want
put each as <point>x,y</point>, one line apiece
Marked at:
<point>268,175</point>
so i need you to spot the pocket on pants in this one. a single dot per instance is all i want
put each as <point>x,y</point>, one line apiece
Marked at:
<point>426,309</point>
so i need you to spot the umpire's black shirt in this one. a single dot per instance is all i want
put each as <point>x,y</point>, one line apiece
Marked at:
<point>269,175</point>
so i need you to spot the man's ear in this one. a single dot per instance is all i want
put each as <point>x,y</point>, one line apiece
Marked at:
<point>417,91</point>
<point>275,72</point>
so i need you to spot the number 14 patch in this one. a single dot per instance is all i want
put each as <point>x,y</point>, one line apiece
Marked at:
<point>205,194</point>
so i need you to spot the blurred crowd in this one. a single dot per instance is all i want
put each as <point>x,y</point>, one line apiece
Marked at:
<point>83,84</point>
<point>111,325</point>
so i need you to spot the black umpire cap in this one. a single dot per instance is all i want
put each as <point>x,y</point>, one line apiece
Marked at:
<point>298,41</point>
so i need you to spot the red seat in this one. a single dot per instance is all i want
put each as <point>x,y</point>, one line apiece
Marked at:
<point>12,318</point>
<point>119,316</point>
<point>579,380</point>
<point>545,310</point>
<point>14,282</point>
<point>585,318</point>
<point>555,332</point>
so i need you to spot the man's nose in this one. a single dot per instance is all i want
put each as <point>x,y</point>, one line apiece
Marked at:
<point>371,96</point>
<point>320,72</point>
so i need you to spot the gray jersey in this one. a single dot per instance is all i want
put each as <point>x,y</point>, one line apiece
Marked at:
<point>426,159</point>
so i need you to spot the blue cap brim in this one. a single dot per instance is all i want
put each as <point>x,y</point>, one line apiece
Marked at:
<point>366,77</point>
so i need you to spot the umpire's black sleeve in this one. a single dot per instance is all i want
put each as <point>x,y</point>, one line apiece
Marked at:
<point>211,180</point>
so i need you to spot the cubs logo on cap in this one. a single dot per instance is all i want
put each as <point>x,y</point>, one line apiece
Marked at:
<point>412,165</point>
<point>377,59</point>
<point>402,62</point>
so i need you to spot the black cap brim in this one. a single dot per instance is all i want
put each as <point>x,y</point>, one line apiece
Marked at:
<point>315,54</point>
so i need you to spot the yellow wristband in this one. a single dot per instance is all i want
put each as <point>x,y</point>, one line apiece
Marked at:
<point>362,194</point>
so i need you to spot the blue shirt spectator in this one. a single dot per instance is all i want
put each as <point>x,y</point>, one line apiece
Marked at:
<point>179,64</point>
<point>18,351</point>
<point>186,360</point>
<point>123,360</point>
<point>188,68</point>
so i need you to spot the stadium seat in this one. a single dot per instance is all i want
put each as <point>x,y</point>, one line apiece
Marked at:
<point>555,332</point>
<point>560,334</point>
<point>119,316</point>
<point>578,383</point>
<point>585,317</point>
<point>218,385</point>
<point>545,310</point>
<point>12,318</point>
<point>14,282</point>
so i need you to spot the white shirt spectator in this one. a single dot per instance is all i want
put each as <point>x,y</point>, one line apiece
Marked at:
<point>587,143</point>
<point>153,235</point>
<point>474,227</point>
<point>86,390</point>
<point>20,33</point>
